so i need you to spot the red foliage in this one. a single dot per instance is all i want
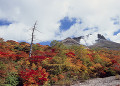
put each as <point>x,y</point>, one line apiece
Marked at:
<point>70,54</point>
<point>91,57</point>
<point>34,76</point>
<point>3,53</point>
<point>61,76</point>
<point>53,50</point>
<point>116,66</point>
<point>38,58</point>
<point>10,55</point>
<point>50,54</point>
<point>113,61</point>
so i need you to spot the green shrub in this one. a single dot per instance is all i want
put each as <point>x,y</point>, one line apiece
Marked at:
<point>12,79</point>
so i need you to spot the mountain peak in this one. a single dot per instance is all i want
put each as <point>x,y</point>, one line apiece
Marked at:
<point>70,41</point>
<point>101,37</point>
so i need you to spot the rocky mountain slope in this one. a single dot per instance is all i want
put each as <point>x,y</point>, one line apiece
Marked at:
<point>101,42</point>
<point>70,41</point>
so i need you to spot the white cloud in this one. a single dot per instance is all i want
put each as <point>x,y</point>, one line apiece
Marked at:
<point>95,13</point>
<point>15,31</point>
<point>89,39</point>
<point>23,14</point>
<point>26,12</point>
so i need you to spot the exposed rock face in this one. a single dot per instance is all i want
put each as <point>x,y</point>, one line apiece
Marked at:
<point>70,41</point>
<point>82,37</point>
<point>102,43</point>
<point>78,38</point>
<point>101,37</point>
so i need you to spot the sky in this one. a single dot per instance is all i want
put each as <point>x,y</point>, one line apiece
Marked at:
<point>59,19</point>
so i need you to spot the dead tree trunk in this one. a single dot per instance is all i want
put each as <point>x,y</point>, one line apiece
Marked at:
<point>32,39</point>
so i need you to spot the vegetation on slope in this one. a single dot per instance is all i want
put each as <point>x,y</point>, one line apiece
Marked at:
<point>55,64</point>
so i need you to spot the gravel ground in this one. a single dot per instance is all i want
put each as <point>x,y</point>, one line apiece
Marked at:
<point>108,81</point>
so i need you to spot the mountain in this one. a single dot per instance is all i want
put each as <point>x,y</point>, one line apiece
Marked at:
<point>70,41</point>
<point>101,42</point>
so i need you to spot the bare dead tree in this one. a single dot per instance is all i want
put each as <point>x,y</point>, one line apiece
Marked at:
<point>33,29</point>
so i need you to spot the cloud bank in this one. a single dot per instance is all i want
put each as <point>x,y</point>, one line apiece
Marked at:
<point>91,17</point>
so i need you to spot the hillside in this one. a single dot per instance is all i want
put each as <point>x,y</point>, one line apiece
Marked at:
<point>57,64</point>
<point>69,41</point>
<point>101,42</point>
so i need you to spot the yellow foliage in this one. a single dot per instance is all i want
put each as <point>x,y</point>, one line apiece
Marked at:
<point>31,80</point>
<point>98,65</point>
<point>33,66</point>
<point>27,62</point>
<point>92,68</point>
<point>105,59</point>
<point>39,67</point>
<point>84,67</point>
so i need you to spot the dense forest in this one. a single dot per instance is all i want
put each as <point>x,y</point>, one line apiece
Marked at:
<point>54,64</point>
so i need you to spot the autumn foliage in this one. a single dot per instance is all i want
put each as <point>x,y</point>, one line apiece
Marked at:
<point>55,64</point>
<point>37,77</point>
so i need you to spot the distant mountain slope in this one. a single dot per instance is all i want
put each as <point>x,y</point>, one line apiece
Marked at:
<point>101,42</point>
<point>70,41</point>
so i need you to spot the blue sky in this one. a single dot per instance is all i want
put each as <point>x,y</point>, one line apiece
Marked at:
<point>45,43</point>
<point>117,32</point>
<point>4,22</point>
<point>59,19</point>
<point>66,23</point>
